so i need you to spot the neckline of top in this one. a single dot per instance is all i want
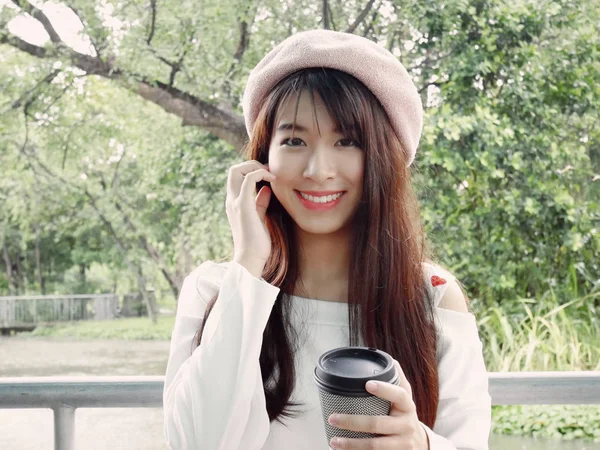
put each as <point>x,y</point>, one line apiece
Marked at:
<point>297,297</point>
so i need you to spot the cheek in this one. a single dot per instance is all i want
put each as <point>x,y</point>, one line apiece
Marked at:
<point>284,171</point>
<point>356,171</point>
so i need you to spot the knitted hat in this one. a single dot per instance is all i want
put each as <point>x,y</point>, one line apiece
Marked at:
<point>372,64</point>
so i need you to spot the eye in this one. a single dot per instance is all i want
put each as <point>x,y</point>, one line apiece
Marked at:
<point>349,143</point>
<point>288,141</point>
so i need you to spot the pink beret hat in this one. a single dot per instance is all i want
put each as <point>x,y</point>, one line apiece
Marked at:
<point>373,65</point>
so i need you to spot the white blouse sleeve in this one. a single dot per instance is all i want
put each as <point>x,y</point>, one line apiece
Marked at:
<point>213,395</point>
<point>464,409</point>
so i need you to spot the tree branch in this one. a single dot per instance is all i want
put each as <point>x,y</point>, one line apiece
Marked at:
<point>133,266</point>
<point>325,15</point>
<point>39,15</point>
<point>115,174</point>
<point>22,45</point>
<point>370,27</point>
<point>150,250</point>
<point>333,26</point>
<point>145,244</point>
<point>361,17</point>
<point>194,111</point>
<point>237,56</point>
<point>243,42</point>
<point>26,96</point>
<point>67,141</point>
<point>152,21</point>
<point>175,67</point>
<point>85,23</point>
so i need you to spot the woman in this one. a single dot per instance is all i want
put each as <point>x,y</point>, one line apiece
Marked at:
<point>330,253</point>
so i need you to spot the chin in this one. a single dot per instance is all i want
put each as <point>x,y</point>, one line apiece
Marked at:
<point>320,227</point>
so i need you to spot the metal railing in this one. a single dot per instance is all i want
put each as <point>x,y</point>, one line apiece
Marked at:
<point>65,394</point>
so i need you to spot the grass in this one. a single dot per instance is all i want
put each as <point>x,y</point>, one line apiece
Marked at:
<point>543,335</point>
<point>130,328</point>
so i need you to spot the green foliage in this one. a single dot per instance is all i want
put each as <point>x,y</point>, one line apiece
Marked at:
<point>545,421</point>
<point>506,166</point>
<point>110,187</point>
<point>508,143</point>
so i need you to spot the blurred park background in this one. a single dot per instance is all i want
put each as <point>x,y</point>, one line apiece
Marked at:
<point>120,119</point>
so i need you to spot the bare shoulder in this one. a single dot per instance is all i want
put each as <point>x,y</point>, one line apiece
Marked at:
<point>454,297</point>
<point>448,292</point>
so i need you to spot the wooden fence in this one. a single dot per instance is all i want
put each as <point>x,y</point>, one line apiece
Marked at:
<point>27,311</point>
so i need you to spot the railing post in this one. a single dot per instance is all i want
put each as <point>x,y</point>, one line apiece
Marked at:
<point>64,428</point>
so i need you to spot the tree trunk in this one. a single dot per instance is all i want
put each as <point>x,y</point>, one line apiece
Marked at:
<point>82,274</point>
<point>9,274</point>
<point>133,266</point>
<point>150,304</point>
<point>38,261</point>
<point>151,251</point>
<point>20,275</point>
<point>185,263</point>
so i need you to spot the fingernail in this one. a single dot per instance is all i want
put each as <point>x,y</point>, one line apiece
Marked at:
<point>333,419</point>
<point>372,386</point>
<point>336,442</point>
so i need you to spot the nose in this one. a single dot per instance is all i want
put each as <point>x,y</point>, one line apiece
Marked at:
<point>321,165</point>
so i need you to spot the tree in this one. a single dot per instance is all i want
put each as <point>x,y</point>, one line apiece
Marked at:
<point>507,169</point>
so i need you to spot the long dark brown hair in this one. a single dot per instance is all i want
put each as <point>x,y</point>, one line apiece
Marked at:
<point>389,306</point>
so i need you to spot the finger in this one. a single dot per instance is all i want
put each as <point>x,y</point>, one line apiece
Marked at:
<point>367,424</point>
<point>402,401</point>
<point>403,380</point>
<point>248,189</point>
<point>379,443</point>
<point>238,172</point>
<point>262,201</point>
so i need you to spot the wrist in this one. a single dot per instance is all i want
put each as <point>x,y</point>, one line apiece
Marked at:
<point>255,267</point>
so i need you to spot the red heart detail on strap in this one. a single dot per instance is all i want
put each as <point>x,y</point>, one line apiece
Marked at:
<point>436,281</point>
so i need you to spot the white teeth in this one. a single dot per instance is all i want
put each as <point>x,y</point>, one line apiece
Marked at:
<point>325,199</point>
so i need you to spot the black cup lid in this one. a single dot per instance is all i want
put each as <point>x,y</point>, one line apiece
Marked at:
<point>346,370</point>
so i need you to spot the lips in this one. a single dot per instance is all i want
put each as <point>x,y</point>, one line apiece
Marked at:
<point>320,193</point>
<point>313,206</point>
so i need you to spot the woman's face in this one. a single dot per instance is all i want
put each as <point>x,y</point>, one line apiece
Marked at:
<point>322,165</point>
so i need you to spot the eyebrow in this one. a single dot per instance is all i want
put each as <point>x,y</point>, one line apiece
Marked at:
<point>290,126</point>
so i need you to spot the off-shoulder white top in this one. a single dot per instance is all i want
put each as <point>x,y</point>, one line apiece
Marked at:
<point>213,395</point>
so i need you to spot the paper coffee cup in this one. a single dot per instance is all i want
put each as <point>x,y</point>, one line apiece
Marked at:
<point>341,375</point>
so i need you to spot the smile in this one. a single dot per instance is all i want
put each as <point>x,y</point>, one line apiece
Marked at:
<point>322,199</point>
<point>319,203</point>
